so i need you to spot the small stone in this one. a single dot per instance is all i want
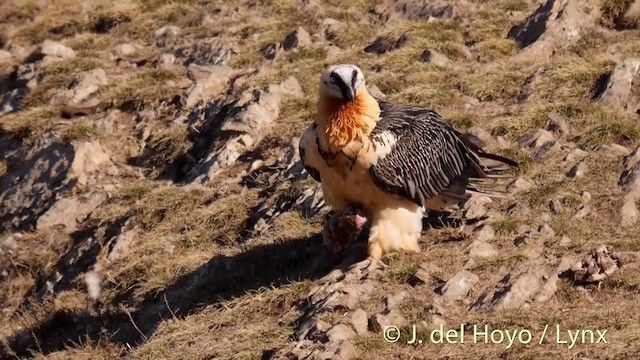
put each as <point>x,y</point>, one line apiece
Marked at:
<point>167,31</point>
<point>269,51</point>
<point>583,211</point>
<point>545,216</point>
<point>384,44</point>
<point>330,28</point>
<point>557,123</point>
<point>53,48</point>
<point>613,150</point>
<point>392,301</point>
<point>619,91</point>
<point>629,213</point>
<point>481,249</point>
<point>479,136</point>
<point>375,91</point>
<point>586,196</point>
<point>297,39</point>
<point>459,285</point>
<point>290,87</point>
<point>5,56</point>
<point>536,139</point>
<point>382,321</point>
<point>564,241</point>
<point>503,143</point>
<point>485,233</point>
<point>475,207</point>
<point>333,52</point>
<point>166,60</point>
<point>518,209</point>
<point>539,143</point>
<point>575,155</point>
<point>546,231</point>
<point>359,320</point>
<point>423,275</point>
<point>521,184</point>
<point>340,332</point>
<point>578,170</point>
<point>125,50</point>
<point>555,206</point>
<point>435,58</point>
<point>89,84</point>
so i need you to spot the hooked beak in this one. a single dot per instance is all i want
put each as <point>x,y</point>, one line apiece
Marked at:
<point>349,95</point>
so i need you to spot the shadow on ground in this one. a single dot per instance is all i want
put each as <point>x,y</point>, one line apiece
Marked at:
<point>222,278</point>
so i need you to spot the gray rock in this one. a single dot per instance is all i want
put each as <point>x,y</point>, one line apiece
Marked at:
<point>126,50</point>
<point>392,301</point>
<point>382,321</point>
<point>618,93</point>
<point>575,155</point>
<point>297,39</point>
<point>5,56</point>
<point>90,82</point>
<point>340,332</point>
<point>527,283</point>
<point>481,249</point>
<point>564,241</point>
<point>270,51</point>
<point>435,58</point>
<point>459,285</point>
<point>385,44</point>
<point>485,233</point>
<point>582,211</point>
<point>629,213</point>
<point>521,184</point>
<point>540,142</point>
<point>359,321</point>
<point>615,150</point>
<point>481,134</point>
<point>556,206</point>
<point>329,28</point>
<point>69,212</point>
<point>557,124</point>
<point>210,82</point>
<point>596,266</point>
<point>423,274</point>
<point>91,159</point>
<point>167,31</point>
<point>475,207</point>
<point>375,91</point>
<point>166,61</point>
<point>578,170</point>
<point>56,49</point>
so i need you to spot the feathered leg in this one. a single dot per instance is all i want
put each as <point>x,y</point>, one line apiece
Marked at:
<point>394,229</point>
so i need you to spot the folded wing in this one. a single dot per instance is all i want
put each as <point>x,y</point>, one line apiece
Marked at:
<point>422,156</point>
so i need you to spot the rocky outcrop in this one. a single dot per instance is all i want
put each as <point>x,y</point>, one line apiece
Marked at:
<point>630,183</point>
<point>553,24</point>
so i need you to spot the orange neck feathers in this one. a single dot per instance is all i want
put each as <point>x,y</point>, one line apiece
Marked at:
<point>343,122</point>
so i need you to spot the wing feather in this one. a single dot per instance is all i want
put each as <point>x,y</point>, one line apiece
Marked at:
<point>428,157</point>
<point>308,140</point>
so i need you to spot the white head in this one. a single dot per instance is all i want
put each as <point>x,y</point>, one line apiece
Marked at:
<point>343,81</point>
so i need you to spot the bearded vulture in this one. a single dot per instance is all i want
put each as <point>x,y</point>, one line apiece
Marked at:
<point>394,161</point>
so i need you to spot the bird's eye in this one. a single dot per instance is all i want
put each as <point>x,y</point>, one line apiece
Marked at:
<point>333,79</point>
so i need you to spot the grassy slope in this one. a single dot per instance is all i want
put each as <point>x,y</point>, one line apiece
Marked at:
<point>247,319</point>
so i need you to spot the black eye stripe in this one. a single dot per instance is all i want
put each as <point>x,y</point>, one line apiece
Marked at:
<point>344,88</point>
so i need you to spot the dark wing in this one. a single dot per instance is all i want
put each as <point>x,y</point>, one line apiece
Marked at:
<point>308,139</point>
<point>427,156</point>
